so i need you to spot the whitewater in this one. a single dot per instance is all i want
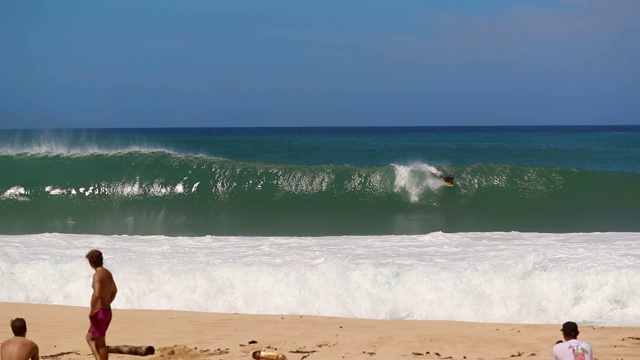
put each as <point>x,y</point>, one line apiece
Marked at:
<point>506,277</point>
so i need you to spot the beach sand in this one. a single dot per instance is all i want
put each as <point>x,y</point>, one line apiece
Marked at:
<point>60,330</point>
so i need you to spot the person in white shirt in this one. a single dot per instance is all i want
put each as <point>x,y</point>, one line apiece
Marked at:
<point>572,348</point>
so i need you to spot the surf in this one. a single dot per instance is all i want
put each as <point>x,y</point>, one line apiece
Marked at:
<point>505,277</point>
<point>160,192</point>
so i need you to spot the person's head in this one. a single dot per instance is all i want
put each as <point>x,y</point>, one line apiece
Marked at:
<point>95,258</point>
<point>570,330</point>
<point>19,327</point>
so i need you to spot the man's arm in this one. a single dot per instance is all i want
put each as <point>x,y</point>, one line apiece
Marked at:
<point>114,292</point>
<point>36,352</point>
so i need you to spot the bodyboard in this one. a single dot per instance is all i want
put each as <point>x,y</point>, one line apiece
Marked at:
<point>445,181</point>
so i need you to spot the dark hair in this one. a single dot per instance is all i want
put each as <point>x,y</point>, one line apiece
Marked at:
<point>570,329</point>
<point>95,258</point>
<point>19,327</point>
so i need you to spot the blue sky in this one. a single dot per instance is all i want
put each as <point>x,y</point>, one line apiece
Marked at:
<point>160,63</point>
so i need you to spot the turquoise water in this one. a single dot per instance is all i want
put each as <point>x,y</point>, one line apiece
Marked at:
<point>319,181</point>
<point>542,225</point>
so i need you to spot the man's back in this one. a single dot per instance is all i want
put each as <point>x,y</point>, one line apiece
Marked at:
<point>573,349</point>
<point>19,348</point>
<point>104,287</point>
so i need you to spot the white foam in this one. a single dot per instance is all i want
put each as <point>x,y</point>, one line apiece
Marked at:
<point>15,193</point>
<point>125,189</point>
<point>415,179</point>
<point>489,277</point>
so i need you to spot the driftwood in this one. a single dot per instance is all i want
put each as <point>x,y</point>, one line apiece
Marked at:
<point>267,355</point>
<point>132,350</point>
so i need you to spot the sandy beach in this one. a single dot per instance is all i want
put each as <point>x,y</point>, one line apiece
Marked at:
<point>60,330</point>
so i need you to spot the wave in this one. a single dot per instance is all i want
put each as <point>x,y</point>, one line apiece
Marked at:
<point>489,277</point>
<point>159,191</point>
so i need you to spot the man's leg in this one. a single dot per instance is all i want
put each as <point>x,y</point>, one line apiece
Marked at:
<point>101,348</point>
<point>92,346</point>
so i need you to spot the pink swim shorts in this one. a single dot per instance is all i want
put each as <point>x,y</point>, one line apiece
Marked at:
<point>99,323</point>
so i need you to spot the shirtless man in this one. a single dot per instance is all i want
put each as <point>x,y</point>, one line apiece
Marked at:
<point>104,291</point>
<point>19,347</point>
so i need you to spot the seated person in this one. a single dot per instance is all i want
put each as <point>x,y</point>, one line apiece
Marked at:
<point>19,347</point>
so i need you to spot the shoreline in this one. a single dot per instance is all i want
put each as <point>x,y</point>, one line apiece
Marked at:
<point>59,331</point>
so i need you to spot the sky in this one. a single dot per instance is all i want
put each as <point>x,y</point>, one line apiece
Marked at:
<point>162,63</point>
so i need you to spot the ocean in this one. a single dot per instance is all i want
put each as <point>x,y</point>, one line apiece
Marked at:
<point>542,225</point>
